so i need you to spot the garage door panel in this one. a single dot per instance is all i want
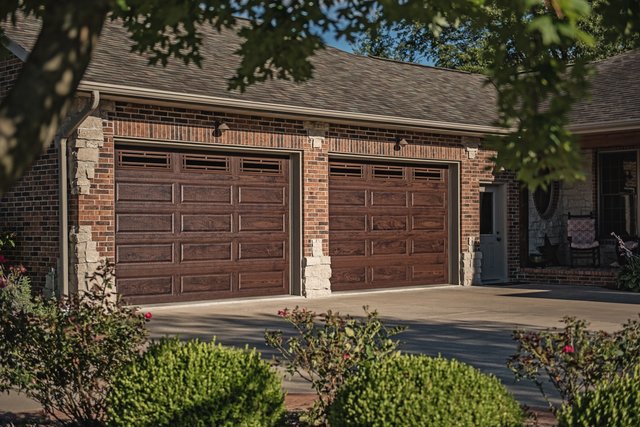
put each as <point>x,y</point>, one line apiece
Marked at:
<point>388,247</point>
<point>218,226</point>
<point>205,252</point>
<point>210,223</point>
<point>275,223</point>
<point>144,223</point>
<point>388,198</point>
<point>261,280</point>
<point>144,192</point>
<point>431,273</point>
<point>389,274</point>
<point>146,253</point>
<point>403,225</point>
<point>143,286</point>
<point>272,250</point>
<point>389,223</point>
<point>356,222</point>
<point>428,223</point>
<point>351,247</point>
<point>262,195</point>
<point>428,199</point>
<point>348,198</point>
<point>424,246</point>
<point>206,283</point>
<point>208,194</point>
<point>348,275</point>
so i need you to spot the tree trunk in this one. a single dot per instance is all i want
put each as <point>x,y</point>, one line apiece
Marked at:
<point>41,98</point>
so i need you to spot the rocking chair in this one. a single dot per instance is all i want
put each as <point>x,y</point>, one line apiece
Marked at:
<point>581,233</point>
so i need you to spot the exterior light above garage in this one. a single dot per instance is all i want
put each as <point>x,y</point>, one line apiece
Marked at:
<point>219,128</point>
<point>400,142</point>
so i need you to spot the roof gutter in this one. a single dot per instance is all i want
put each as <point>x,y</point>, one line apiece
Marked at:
<point>65,131</point>
<point>111,91</point>
<point>600,127</point>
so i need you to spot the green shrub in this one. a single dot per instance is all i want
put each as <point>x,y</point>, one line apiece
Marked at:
<point>327,348</point>
<point>423,391</point>
<point>64,352</point>
<point>629,275</point>
<point>196,384</point>
<point>610,404</point>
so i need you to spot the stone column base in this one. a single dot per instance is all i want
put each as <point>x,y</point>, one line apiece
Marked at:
<point>471,266</point>
<point>316,272</point>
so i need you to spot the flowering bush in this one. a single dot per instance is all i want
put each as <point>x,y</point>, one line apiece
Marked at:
<point>64,352</point>
<point>327,348</point>
<point>575,359</point>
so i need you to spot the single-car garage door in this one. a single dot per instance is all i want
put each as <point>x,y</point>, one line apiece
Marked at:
<point>194,226</point>
<point>388,225</point>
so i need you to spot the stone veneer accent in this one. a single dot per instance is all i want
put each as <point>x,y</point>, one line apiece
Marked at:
<point>471,265</point>
<point>84,150</point>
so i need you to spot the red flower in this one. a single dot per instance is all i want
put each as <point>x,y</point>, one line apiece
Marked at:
<point>148,315</point>
<point>568,349</point>
<point>283,313</point>
<point>346,356</point>
<point>2,259</point>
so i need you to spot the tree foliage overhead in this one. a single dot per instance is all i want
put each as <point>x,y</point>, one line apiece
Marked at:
<point>535,92</point>
<point>469,47</point>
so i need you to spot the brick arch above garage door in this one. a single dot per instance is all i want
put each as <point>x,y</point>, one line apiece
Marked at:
<point>192,225</point>
<point>388,225</point>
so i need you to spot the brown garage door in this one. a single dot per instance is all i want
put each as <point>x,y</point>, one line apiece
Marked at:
<point>194,226</point>
<point>388,225</point>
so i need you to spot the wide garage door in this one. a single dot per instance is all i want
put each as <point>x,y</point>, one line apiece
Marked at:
<point>388,225</point>
<point>194,225</point>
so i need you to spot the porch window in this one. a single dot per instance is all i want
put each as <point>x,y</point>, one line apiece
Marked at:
<point>618,193</point>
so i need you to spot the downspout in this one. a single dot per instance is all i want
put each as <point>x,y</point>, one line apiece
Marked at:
<point>66,129</point>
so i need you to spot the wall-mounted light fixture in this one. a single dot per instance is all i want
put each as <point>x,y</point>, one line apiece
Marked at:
<point>219,128</point>
<point>400,142</point>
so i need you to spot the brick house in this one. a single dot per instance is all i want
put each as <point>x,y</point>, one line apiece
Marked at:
<point>371,175</point>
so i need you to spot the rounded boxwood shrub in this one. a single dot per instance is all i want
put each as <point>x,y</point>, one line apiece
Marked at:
<point>609,404</point>
<point>423,391</point>
<point>196,384</point>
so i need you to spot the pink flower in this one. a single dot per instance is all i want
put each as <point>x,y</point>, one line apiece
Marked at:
<point>22,269</point>
<point>346,356</point>
<point>283,313</point>
<point>568,349</point>
<point>3,282</point>
<point>148,315</point>
<point>2,259</point>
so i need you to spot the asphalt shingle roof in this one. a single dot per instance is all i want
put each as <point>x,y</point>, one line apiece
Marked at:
<point>614,93</point>
<point>342,81</point>
<point>346,82</point>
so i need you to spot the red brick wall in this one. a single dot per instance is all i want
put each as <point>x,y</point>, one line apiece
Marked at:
<point>184,125</point>
<point>9,69</point>
<point>31,207</point>
<point>31,210</point>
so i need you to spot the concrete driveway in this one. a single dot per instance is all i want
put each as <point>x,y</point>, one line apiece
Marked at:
<point>470,324</point>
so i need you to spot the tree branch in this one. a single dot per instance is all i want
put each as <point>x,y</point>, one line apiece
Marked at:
<point>41,98</point>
